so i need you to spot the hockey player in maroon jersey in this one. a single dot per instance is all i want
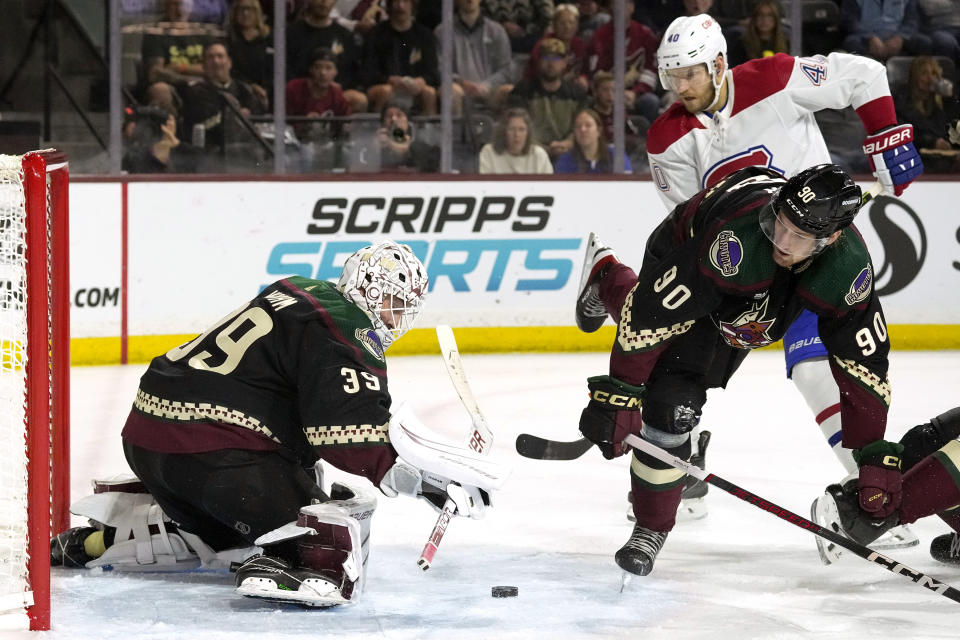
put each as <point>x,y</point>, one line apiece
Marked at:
<point>762,113</point>
<point>725,272</point>
<point>226,432</point>
<point>929,456</point>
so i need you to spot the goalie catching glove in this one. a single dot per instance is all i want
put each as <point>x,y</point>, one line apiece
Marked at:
<point>881,482</point>
<point>434,470</point>
<point>612,414</point>
<point>894,159</point>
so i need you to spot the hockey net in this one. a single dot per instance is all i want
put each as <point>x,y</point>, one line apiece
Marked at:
<point>34,379</point>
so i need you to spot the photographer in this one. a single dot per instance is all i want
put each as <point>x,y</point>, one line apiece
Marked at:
<point>399,150</point>
<point>928,102</point>
<point>153,146</point>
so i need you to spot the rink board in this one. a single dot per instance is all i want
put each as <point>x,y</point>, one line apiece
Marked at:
<point>153,263</point>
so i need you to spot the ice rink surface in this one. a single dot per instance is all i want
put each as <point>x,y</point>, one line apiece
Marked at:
<point>738,573</point>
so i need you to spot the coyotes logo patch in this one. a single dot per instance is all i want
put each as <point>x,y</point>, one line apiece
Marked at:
<point>726,253</point>
<point>368,338</point>
<point>750,330</point>
<point>861,287</point>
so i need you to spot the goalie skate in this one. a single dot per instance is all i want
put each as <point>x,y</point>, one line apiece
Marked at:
<point>274,580</point>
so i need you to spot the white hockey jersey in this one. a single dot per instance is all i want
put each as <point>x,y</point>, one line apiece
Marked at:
<point>767,120</point>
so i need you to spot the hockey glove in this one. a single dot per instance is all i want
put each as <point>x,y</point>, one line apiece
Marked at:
<point>881,482</point>
<point>893,158</point>
<point>471,502</point>
<point>612,414</point>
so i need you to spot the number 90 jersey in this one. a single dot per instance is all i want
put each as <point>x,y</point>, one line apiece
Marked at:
<point>710,262</point>
<point>298,369</point>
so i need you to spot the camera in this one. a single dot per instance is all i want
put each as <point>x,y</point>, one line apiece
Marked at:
<point>398,134</point>
<point>943,87</point>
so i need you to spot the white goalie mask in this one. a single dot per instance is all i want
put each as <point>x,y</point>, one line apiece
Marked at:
<point>388,282</point>
<point>689,41</point>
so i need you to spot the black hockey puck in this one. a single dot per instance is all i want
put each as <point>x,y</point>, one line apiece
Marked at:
<point>504,592</point>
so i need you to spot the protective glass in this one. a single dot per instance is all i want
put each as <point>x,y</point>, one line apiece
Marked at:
<point>787,237</point>
<point>695,75</point>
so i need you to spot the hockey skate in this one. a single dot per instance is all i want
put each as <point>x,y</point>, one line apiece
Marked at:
<point>275,580</point>
<point>590,312</point>
<point>67,549</point>
<point>946,548</point>
<point>838,510</point>
<point>639,553</point>
<point>693,505</point>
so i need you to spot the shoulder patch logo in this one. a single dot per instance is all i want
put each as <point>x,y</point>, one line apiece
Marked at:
<point>660,178</point>
<point>816,72</point>
<point>861,287</point>
<point>368,338</point>
<point>726,253</point>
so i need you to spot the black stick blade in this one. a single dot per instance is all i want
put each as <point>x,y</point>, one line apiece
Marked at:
<point>537,448</point>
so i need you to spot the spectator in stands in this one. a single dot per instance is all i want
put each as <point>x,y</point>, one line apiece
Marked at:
<point>217,98</point>
<point>212,11</point>
<point>400,60</point>
<point>941,19</point>
<point>551,100</point>
<point>928,102</point>
<point>882,29</point>
<point>360,16</point>
<point>400,150</point>
<point>658,14</point>
<point>316,29</point>
<point>591,18</point>
<point>564,28</point>
<point>763,35</point>
<point>641,62</point>
<point>172,50</point>
<point>251,47</point>
<point>153,145</point>
<point>513,149</point>
<point>590,153</point>
<point>525,20</point>
<point>481,56</point>
<point>604,88</point>
<point>318,96</point>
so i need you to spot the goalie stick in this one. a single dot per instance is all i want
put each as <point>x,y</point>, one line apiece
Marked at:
<point>479,440</point>
<point>866,553</point>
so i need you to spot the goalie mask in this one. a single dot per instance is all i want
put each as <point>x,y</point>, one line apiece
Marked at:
<point>388,282</point>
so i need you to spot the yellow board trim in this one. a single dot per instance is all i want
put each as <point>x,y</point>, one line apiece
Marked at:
<point>141,349</point>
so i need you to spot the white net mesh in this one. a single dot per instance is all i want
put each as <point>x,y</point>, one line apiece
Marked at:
<point>13,342</point>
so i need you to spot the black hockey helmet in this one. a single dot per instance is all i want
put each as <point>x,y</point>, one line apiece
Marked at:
<point>819,200</point>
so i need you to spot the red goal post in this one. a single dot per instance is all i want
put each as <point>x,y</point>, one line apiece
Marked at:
<point>34,379</point>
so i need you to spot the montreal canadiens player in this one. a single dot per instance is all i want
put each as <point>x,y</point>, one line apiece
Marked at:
<point>226,430</point>
<point>761,113</point>
<point>728,271</point>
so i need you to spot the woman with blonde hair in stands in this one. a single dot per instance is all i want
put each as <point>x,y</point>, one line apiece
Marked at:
<point>928,101</point>
<point>513,149</point>
<point>590,152</point>
<point>763,36</point>
<point>251,46</point>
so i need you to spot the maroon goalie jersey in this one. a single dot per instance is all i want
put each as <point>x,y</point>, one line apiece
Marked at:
<point>298,369</point>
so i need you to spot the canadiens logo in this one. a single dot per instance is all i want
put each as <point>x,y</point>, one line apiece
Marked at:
<point>368,338</point>
<point>861,287</point>
<point>750,330</point>
<point>726,253</point>
<point>757,156</point>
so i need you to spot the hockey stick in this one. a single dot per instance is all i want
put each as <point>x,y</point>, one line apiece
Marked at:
<point>867,554</point>
<point>537,448</point>
<point>479,440</point>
